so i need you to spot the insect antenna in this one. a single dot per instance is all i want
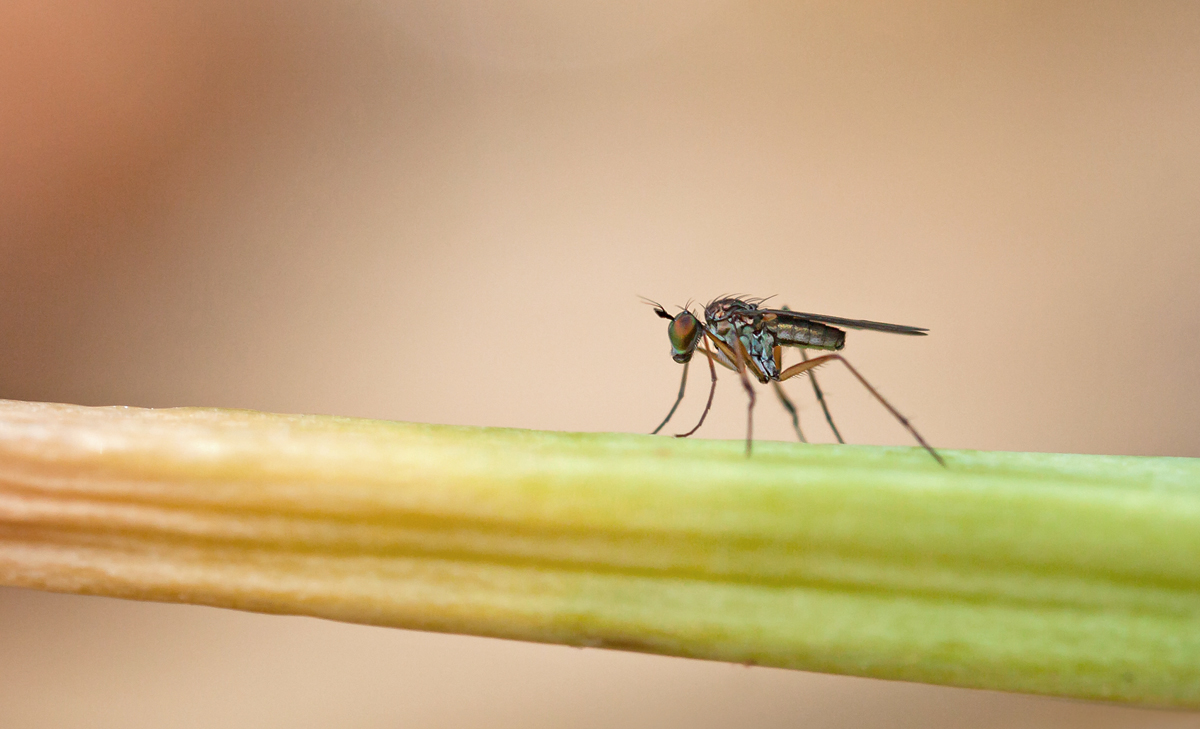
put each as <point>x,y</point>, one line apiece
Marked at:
<point>658,308</point>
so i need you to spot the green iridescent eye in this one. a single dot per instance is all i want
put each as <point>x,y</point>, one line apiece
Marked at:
<point>683,331</point>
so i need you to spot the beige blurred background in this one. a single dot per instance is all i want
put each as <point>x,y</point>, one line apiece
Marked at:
<point>444,212</point>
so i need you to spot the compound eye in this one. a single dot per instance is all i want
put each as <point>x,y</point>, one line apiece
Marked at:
<point>683,331</point>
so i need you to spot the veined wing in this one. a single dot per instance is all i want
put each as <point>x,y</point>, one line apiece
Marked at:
<point>837,321</point>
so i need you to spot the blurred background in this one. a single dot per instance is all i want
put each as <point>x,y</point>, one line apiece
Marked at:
<point>444,211</point>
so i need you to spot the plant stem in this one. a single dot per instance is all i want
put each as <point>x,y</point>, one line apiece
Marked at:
<point>1057,574</point>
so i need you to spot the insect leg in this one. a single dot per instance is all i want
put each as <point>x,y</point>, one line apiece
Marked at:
<point>722,358</point>
<point>712,369</point>
<point>787,405</point>
<point>807,365</point>
<point>783,398</point>
<point>821,399</point>
<point>679,399</point>
<point>740,357</point>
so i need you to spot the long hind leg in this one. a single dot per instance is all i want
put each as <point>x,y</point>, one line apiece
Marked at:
<point>805,366</point>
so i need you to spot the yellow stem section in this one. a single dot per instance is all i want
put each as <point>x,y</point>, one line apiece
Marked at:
<point>1056,574</point>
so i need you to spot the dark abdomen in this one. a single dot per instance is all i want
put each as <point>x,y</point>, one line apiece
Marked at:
<point>811,334</point>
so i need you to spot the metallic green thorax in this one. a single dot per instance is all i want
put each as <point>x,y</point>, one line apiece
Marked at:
<point>760,332</point>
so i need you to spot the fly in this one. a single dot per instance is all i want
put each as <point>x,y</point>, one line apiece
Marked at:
<point>749,340</point>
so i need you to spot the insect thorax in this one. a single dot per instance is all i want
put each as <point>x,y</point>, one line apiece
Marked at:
<point>730,319</point>
<point>760,331</point>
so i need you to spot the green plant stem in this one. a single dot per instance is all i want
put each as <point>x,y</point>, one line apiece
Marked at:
<point>1055,574</point>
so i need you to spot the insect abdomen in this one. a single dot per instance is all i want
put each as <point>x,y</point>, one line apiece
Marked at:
<point>809,334</point>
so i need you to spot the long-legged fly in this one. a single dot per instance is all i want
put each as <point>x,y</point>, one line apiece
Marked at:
<point>747,338</point>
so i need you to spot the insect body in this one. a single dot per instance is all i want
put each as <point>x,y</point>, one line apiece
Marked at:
<point>749,339</point>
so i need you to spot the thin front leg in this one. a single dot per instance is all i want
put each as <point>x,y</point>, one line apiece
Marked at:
<point>718,356</point>
<point>679,399</point>
<point>740,357</point>
<point>821,399</point>
<point>712,369</point>
<point>805,366</point>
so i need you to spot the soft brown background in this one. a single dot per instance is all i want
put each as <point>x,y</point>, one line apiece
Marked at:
<point>444,211</point>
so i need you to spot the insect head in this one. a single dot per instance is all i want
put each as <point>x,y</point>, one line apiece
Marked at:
<point>683,331</point>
